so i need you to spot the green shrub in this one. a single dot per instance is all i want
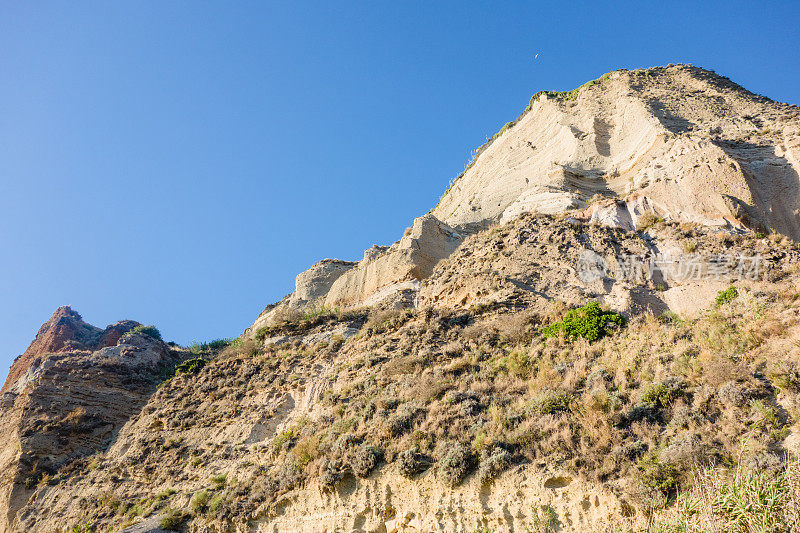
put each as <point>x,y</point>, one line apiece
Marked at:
<point>455,464</point>
<point>172,520</point>
<point>411,462</point>
<point>662,394</point>
<point>216,503</point>
<point>211,346</point>
<point>199,502</point>
<point>281,439</point>
<point>165,494</point>
<point>220,480</point>
<point>588,322</point>
<point>364,459</point>
<point>552,402</point>
<point>727,295</point>
<point>657,475</point>
<point>493,463</point>
<point>190,366</point>
<point>151,331</point>
<point>545,519</point>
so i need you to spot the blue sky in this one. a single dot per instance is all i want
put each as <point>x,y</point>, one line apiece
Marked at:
<point>178,163</point>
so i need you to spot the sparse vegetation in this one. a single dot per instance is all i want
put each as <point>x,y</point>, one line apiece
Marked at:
<point>172,520</point>
<point>486,388</point>
<point>190,366</point>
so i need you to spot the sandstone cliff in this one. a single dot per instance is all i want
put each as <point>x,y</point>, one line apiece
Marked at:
<point>524,357</point>
<point>678,143</point>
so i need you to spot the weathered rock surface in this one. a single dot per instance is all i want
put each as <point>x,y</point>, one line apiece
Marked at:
<point>65,331</point>
<point>677,143</point>
<point>411,259</point>
<point>72,389</point>
<point>311,287</point>
<point>697,146</point>
<point>390,502</point>
<point>387,275</point>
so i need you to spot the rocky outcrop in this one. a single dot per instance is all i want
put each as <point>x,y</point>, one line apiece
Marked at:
<point>65,331</point>
<point>676,143</point>
<point>387,275</point>
<point>698,147</point>
<point>72,389</point>
<point>400,267</point>
<point>311,287</point>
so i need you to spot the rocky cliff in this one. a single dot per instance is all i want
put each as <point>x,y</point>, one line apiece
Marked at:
<point>677,143</point>
<point>66,397</point>
<point>604,301</point>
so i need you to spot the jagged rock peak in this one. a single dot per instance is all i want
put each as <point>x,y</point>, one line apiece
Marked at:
<point>66,331</point>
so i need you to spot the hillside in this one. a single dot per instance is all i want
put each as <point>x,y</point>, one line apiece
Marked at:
<point>595,329</point>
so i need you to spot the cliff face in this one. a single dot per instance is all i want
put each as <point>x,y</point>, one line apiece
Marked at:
<point>463,378</point>
<point>677,143</point>
<point>697,146</point>
<point>66,397</point>
<point>65,331</point>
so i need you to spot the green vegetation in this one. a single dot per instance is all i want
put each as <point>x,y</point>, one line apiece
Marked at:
<point>151,331</point>
<point>662,394</point>
<point>727,295</point>
<point>455,464</point>
<point>190,366</point>
<point>657,475</point>
<point>209,347</point>
<point>648,220</point>
<point>314,316</point>
<point>736,501</point>
<point>588,322</point>
<point>552,402</point>
<point>545,519</point>
<point>172,520</point>
<point>199,502</point>
<point>569,96</point>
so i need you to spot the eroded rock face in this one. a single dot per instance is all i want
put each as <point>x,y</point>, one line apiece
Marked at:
<point>387,275</point>
<point>390,502</point>
<point>72,389</point>
<point>397,268</point>
<point>311,288</point>
<point>65,331</point>
<point>698,147</point>
<point>677,143</point>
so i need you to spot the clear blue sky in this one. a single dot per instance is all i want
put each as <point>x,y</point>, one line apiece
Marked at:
<point>178,163</point>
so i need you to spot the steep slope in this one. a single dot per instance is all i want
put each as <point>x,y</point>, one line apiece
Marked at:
<point>454,417</point>
<point>606,298</point>
<point>678,143</point>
